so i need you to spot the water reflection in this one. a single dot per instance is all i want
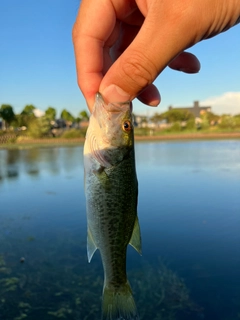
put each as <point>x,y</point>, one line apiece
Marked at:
<point>35,161</point>
<point>205,155</point>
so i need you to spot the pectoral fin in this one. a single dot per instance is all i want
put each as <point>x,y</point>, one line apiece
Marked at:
<point>135,240</point>
<point>91,246</point>
<point>102,177</point>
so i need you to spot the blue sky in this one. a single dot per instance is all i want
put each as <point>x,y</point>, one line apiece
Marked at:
<point>37,63</point>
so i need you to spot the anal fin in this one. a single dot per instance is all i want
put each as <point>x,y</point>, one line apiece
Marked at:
<point>135,240</point>
<point>91,246</point>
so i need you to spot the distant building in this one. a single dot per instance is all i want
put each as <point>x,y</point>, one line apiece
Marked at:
<point>59,123</point>
<point>196,110</point>
<point>2,125</point>
<point>140,121</point>
<point>84,123</point>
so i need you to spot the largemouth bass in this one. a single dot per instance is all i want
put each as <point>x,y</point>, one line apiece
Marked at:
<point>111,190</point>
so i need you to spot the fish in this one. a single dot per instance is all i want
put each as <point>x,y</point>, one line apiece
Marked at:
<point>111,191</point>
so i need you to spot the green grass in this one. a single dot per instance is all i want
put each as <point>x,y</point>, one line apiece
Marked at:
<point>183,131</point>
<point>73,133</point>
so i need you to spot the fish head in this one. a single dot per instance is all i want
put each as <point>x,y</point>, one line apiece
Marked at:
<point>110,132</point>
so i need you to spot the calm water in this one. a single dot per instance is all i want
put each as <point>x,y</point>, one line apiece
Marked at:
<point>189,211</point>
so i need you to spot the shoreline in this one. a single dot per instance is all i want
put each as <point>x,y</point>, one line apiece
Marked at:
<point>164,137</point>
<point>190,136</point>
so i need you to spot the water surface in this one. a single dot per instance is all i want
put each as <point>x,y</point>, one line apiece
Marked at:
<point>189,211</point>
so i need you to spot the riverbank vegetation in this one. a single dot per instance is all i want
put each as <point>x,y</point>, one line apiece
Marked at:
<point>32,124</point>
<point>29,126</point>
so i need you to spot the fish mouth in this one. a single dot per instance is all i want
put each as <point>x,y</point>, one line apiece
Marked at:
<point>114,107</point>
<point>109,143</point>
<point>110,115</point>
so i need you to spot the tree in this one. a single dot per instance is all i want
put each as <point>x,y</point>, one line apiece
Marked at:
<point>227,122</point>
<point>39,127</point>
<point>237,120</point>
<point>174,115</point>
<point>28,110</point>
<point>50,113</point>
<point>83,115</point>
<point>26,116</point>
<point>65,115</point>
<point>7,113</point>
<point>78,120</point>
<point>157,117</point>
<point>210,117</point>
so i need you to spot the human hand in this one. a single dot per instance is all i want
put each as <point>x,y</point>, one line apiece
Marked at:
<point>121,46</point>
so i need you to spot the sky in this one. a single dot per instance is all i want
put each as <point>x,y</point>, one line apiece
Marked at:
<point>37,64</point>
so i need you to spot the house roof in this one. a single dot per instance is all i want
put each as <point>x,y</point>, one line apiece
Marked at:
<point>195,109</point>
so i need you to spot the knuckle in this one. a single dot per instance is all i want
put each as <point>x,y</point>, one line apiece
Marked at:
<point>138,71</point>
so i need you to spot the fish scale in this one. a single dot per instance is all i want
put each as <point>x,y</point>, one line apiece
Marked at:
<point>111,190</point>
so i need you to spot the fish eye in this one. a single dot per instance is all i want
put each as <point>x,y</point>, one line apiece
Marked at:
<point>127,126</point>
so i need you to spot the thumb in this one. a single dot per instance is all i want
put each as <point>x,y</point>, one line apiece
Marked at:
<point>158,42</point>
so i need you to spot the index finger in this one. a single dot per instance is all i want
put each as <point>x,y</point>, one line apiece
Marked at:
<point>94,32</point>
<point>90,33</point>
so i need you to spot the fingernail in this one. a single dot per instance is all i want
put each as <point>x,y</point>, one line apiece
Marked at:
<point>114,93</point>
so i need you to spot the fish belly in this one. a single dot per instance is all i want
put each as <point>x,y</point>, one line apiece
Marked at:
<point>111,213</point>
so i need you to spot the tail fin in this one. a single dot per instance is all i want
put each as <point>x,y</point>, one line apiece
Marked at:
<point>118,304</point>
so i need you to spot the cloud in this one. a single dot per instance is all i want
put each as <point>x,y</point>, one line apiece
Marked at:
<point>228,102</point>
<point>38,113</point>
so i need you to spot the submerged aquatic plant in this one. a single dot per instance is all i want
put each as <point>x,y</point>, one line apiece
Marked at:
<point>161,293</point>
<point>9,284</point>
<point>69,290</point>
<point>3,268</point>
<point>57,283</point>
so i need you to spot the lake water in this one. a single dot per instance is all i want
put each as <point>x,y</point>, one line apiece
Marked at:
<point>189,212</point>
